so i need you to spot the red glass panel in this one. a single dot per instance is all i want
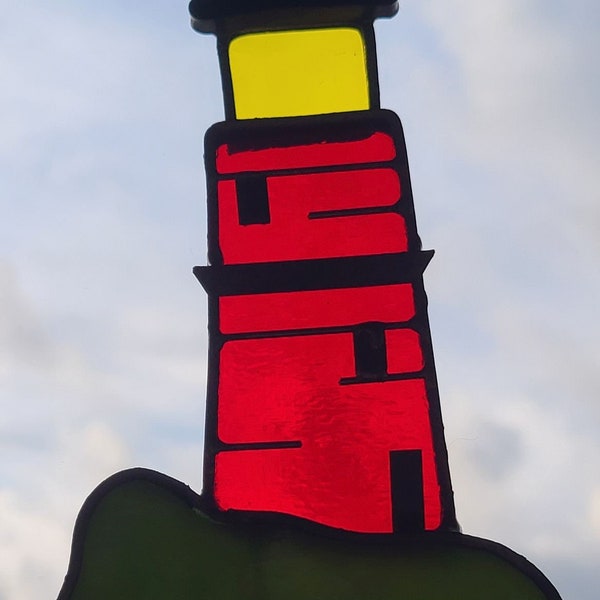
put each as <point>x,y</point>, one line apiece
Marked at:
<point>334,190</point>
<point>288,389</point>
<point>320,308</point>
<point>292,235</point>
<point>378,147</point>
<point>404,354</point>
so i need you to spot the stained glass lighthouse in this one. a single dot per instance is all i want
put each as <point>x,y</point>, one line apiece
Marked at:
<point>326,472</point>
<point>322,399</point>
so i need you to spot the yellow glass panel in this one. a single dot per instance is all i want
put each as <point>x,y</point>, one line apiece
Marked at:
<point>303,72</point>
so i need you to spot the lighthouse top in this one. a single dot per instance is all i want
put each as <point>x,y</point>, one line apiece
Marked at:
<point>205,13</point>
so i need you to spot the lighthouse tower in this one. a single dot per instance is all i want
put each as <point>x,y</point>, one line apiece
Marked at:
<point>322,396</point>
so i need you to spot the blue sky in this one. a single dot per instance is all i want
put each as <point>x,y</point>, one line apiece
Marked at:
<point>103,109</point>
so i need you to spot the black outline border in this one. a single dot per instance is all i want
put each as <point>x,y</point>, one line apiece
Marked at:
<point>264,15</point>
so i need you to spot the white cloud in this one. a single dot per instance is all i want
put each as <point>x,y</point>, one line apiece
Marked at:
<point>101,329</point>
<point>31,549</point>
<point>594,510</point>
<point>538,504</point>
<point>36,517</point>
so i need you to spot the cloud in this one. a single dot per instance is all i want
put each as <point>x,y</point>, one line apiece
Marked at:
<point>36,517</point>
<point>28,552</point>
<point>22,339</point>
<point>510,89</point>
<point>530,503</point>
<point>101,321</point>
<point>70,422</point>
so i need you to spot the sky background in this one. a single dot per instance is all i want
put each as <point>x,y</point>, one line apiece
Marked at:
<point>103,109</point>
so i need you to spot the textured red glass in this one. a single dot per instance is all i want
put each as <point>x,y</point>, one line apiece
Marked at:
<point>321,308</point>
<point>277,390</point>
<point>292,234</point>
<point>335,190</point>
<point>404,354</point>
<point>323,403</point>
<point>378,147</point>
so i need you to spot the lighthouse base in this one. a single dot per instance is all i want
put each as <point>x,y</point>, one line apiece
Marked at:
<point>143,536</point>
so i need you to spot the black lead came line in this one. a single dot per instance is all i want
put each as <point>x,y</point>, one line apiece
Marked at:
<point>315,274</point>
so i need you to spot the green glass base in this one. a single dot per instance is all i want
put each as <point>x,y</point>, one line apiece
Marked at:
<point>144,536</point>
